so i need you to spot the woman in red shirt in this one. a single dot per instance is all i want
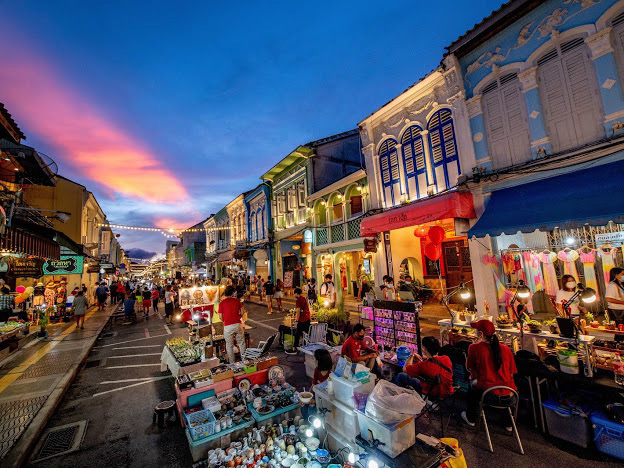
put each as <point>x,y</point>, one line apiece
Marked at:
<point>231,313</point>
<point>491,364</point>
<point>303,316</point>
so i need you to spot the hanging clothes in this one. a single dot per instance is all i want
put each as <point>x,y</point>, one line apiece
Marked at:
<point>533,271</point>
<point>608,261</point>
<point>550,275</point>
<point>589,259</point>
<point>503,294</point>
<point>569,259</point>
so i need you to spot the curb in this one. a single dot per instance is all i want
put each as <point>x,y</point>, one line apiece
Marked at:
<point>30,437</point>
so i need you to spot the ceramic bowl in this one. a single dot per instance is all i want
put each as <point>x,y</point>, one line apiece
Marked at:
<point>312,443</point>
<point>305,397</point>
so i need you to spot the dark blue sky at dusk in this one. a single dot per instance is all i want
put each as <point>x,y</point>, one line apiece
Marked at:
<point>167,111</point>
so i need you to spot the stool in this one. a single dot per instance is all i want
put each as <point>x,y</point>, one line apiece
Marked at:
<point>162,408</point>
<point>513,403</point>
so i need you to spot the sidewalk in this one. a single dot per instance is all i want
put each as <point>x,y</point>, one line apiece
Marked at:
<point>35,378</point>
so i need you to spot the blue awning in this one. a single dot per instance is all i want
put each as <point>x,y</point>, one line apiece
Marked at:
<point>592,196</point>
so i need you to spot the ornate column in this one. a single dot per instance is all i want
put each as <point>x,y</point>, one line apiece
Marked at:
<point>609,81</point>
<point>540,143</point>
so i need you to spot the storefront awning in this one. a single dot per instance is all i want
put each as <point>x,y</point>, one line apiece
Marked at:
<point>225,257</point>
<point>290,232</point>
<point>449,205</point>
<point>589,196</point>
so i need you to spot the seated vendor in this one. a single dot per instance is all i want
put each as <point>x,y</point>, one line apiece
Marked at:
<point>424,373</point>
<point>567,291</point>
<point>353,349</point>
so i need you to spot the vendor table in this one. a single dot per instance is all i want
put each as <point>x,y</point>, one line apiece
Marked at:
<point>269,417</point>
<point>168,361</point>
<point>199,448</point>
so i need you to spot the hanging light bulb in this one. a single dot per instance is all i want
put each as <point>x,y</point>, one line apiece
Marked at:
<point>522,291</point>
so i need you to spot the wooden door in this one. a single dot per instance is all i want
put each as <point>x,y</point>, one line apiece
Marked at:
<point>457,266</point>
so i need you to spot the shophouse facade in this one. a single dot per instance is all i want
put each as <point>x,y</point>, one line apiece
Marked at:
<point>307,169</point>
<point>258,209</point>
<point>544,94</point>
<point>417,148</point>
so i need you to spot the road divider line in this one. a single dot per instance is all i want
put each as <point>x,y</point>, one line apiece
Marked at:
<point>133,385</point>
<point>126,380</point>
<point>260,324</point>
<point>141,346</point>
<point>134,355</point>
<point>128,341</point>
<point>168,331</point>
<point>147,333</point>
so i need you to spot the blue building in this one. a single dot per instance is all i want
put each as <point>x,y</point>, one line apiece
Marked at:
<point>258,209</point>
<point>544,94</point>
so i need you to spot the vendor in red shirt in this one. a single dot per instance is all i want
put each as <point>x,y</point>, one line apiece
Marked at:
<point>423,375</point>
<point>303,316</point>
<point>491,364</point>
<point>231,313</point>
<point>353,349</point>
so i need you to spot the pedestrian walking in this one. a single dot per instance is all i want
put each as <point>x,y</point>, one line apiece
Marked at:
<point>231,313</point>
<point>169,295</point>
<point>279,293</point>
<point>79,307</point>
<point>269,291</point>
<point>121,292</point>
<point>303,317</point>
<point>312,295</point>
<point>147,301</point>
<point>101,294</point>
<point>155,298</point>
<point>113,292</point>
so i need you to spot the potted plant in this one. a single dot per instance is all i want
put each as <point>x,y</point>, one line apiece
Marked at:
<point>535,326</point>
<point>43,320</point>
<point>552,325</point>
<point>608,324</point>
<point>590,319</point>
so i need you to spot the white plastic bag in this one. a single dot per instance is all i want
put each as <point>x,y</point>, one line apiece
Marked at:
<point>391,404</point>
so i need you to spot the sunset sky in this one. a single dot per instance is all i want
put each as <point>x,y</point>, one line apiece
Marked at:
<point>168,111</point>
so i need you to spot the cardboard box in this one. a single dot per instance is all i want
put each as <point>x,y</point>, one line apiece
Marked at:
<point>228,374</point>
<point>267,363</point>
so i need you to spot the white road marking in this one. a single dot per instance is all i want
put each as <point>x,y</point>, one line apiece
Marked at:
<point>141,346</point>
<point>147,333</point>
<point>133,385</point>
<point>127,341</point>
<point>262,324</point>
<point>134,355</point>
<point>132,365</point>
<point>126,380</point>
<point>168,331</point>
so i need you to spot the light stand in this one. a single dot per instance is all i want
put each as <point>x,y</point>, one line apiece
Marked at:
<point>586,295</point>
<point>464,294</point>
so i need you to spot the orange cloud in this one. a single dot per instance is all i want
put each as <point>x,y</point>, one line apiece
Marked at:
<point>43,104</point>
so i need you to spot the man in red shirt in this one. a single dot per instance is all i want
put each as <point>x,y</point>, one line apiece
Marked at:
<point>231,313</point>
<point>491,364</point>
<point>353,349</point>
<point>303,316</point>
<point>423,374</point>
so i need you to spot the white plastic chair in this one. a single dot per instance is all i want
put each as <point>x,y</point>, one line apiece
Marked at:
<point>513,403</point>
<point>317,334</point>
<point>262,349</point>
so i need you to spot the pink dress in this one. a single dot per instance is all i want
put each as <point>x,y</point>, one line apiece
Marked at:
<point>550,275</point>
<point>608,262</point>
<point>533,272</point>
<point>589,259</point>
<point>569,259</point>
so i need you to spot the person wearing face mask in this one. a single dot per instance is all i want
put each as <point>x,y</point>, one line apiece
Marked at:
<point>328,291</point>
<point>389,292</point>
<point>615,295</point>
<point>568,289</point>
<point>353,348</point>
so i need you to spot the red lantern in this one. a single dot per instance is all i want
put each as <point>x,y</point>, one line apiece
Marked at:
<point>420,232</point>
<point>433,251</point>
<point>20,289</point>
<point>117,235</point>
<point>436,234</point>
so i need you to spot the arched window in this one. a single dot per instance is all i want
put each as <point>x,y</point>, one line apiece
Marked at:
<point>414,163</point>
<point>506,122</point>
<point>570,97</point>
<point>389,164</point>
<point>254,232</point>
<point>444,157</point>
<point>320,214</point>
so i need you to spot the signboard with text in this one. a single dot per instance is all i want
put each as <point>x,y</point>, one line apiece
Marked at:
<point>20,267</point>
<point>67,265</point>
<point>616,239</point>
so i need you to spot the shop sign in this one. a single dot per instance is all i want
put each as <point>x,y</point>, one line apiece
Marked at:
<point>67,265</point>
<point>370,245</point>
<point>25,267</point>
<point>616,239</point>
<point>307,236</point>
<point>93,268</point>
<point>241,245</point>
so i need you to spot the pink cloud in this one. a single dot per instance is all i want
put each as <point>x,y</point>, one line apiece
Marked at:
<point>44,104</point>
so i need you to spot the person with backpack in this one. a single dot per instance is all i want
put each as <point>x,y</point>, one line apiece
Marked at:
<point>312,295</point>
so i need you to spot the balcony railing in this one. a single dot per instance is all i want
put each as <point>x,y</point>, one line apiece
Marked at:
<point>353,228</point>
<point>337,233</point>
<point>321,236</point>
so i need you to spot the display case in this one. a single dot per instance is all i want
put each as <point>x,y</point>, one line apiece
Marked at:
<point>397,324</point>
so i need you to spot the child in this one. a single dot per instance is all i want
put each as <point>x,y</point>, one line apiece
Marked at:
<point>324,365</point>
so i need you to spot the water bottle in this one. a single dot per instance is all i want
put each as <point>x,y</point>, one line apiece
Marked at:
<point>618,369</point>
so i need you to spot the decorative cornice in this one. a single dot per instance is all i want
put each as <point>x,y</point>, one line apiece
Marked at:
<point>600,43</point>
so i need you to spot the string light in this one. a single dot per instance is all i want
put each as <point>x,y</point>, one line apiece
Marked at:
<point>164,230</point>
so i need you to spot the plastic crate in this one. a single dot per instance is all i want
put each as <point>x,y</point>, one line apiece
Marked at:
<point>567,424</point>
<point>396,438</point>
<point>336,441</point>
<point>461,377</point>
<point>344,389</point>
<point>608,435</point>
<point>201,430</point>
<point>340,418</point>
<point>250,369</point>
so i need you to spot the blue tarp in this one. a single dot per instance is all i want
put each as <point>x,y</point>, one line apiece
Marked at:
<point>592,196</point>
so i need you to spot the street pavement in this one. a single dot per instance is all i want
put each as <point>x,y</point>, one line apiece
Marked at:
<point>115,393</point>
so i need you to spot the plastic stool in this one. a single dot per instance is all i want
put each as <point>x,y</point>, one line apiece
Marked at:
<point>164,408</point>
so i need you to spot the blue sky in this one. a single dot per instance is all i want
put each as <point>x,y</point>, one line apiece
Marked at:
<point>167,111</point>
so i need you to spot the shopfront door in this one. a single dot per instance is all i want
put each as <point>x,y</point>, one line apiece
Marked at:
<point>457,265</point>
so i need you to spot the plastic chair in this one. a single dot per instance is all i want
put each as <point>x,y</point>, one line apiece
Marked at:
<point>317,334</point>
<point>437,404</point>
<point>513,403</point>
